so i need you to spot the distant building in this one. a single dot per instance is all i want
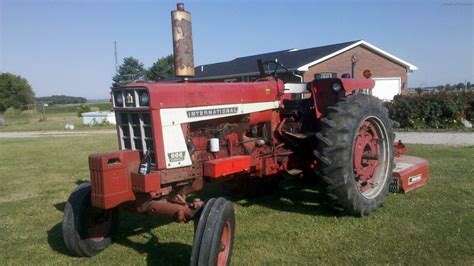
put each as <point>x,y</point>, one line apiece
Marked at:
<point>388,71</point>
<point>96,118</point>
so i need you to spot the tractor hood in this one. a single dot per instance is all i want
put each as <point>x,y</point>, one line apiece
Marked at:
<point>188,94</point>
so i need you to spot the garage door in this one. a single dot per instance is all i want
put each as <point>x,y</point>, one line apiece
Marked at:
<point>387,88</point>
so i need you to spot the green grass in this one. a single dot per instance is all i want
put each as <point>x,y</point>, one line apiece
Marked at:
<point>71,108</point>
<point>434,224</point>
<point>57,116</point>
<point>32,121</point>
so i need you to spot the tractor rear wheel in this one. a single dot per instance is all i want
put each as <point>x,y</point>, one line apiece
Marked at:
<point>214,234</point>
<point>87,230</point>
<point>355,154</point>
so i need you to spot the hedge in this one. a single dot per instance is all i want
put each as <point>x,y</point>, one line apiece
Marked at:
<point>443,109</point>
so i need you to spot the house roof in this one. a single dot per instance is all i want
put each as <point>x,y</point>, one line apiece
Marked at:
<point>293,59</point>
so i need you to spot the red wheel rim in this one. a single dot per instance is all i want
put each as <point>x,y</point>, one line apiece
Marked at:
<point>224,247</point>
<point>370,157</point>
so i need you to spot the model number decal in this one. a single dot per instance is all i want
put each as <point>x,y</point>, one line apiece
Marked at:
<point>214,111</point>
<point>176,156</point>
<point>414,179</point>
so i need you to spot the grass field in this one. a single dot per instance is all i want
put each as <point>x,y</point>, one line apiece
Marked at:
<point>71,108</point>
<point>434,224</point>
<point>54,122</point>
<point>57,117</point>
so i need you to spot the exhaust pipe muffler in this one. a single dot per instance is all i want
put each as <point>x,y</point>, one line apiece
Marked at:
<point>182,43</point>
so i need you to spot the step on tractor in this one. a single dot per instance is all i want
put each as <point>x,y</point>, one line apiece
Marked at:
<point>176,137</point>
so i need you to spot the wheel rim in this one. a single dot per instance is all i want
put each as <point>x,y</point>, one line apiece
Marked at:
<point>224,245</point>
<point>98,224</point>
<point>370,157</point>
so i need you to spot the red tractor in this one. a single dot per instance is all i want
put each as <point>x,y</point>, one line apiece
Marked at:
<point>175,137</point>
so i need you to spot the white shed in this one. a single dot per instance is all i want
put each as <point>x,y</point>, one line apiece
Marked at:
<point>94,118</point>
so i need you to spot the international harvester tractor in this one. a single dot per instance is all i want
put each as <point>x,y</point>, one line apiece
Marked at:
<point>175,137</point>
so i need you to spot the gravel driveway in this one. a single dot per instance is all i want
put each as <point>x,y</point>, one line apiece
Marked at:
<point>443,138</point>
<point>33,134</point>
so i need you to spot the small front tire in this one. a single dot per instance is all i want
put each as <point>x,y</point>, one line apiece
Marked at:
<point>214,234</point>
<point>87,230</point>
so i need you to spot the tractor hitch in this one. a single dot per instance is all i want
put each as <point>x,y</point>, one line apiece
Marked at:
<point>410,172</point>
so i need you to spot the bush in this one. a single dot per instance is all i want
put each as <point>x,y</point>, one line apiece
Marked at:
<point>106,106</point>
<point>12,112</point>
<point>61,99</point>
<point>83,108</point>
<point>30,113</point>
<point>73,108</point>
<point>469,105</point>
<point>443,109</point>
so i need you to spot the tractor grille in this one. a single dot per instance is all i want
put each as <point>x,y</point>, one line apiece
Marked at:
<point>136,132</point>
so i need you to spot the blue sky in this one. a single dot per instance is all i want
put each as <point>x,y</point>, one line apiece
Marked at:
<point>66,46</point>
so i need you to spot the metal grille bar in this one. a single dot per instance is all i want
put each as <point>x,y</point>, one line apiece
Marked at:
<point>136,132</point>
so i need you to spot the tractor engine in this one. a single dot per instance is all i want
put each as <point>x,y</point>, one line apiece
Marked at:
<point>181,130</point>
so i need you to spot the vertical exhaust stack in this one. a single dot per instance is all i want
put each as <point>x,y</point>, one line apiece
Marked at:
<point>182,43</point>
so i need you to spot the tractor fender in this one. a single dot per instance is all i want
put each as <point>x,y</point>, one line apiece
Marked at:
<point>349,85</point>
<point>324,95</point>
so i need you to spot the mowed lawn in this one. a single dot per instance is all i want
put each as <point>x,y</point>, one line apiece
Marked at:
<point>434,224</point>
<point>54,122</point>
<point>57,116</point>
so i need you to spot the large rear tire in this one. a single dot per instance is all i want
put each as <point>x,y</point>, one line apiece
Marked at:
<point>355,153</point>
<point>87,230</point>
<point>214,234</point>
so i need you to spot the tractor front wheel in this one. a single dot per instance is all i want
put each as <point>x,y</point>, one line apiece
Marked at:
<point>214,234</point>
<point>87,230</point>
<point>355,154</point>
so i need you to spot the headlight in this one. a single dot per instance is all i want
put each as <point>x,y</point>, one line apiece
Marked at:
<point>336,87</point>
<point>118,99</point>
<point>144,99</point>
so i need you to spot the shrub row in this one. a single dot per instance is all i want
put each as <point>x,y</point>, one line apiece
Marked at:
<point>443,109</point>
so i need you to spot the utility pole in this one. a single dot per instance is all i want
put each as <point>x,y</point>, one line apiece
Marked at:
<point>354,60</point>
<point>115,53</point>
<point>44,111</point>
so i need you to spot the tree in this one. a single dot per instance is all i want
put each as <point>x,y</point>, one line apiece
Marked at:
<point>468,85</point>
<point>14,92</point>
<point>61,99</point>
<point>131,70</point>
<point>161,69</point>
<point>83,108</point>
<point>460,86</point>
